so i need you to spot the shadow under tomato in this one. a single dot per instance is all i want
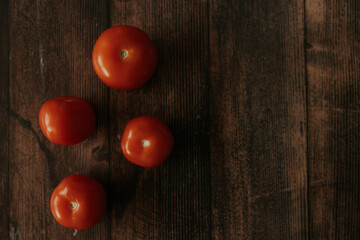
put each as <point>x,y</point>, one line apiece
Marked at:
<point>122,189</point>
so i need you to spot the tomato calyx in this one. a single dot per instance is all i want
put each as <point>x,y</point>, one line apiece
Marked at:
<point>123,53</point>
<point>73,205</point>
<point>145,143</point>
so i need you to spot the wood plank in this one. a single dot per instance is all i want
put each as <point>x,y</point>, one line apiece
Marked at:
<point>333,57</point>
<point>4,123</point>
<point>171,201</point>
<point>51,45</point>
<point>233,83</point>
<point>258,120</point>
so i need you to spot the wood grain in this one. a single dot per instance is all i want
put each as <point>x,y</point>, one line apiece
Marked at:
<point>173,200</point>
<point>4,121</point>
<point>263,98</point>
<point>258,120</point>
<point>51,45</point>
<point>333,52</point>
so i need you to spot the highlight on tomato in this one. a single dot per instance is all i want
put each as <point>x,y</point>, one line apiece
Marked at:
<point>67,120</point>
<point>78,202</point>
<point>124,57</point>
<point>147,141</point>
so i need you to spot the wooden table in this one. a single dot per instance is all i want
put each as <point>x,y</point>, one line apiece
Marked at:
<point>263,98</point>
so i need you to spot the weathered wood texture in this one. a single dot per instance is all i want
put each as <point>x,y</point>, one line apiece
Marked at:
<point>258,120</point>
<point>50,55</point>
<point>333,60</point>
<point>4,121</point>
<point>174,199</point>
<point>263,98</point>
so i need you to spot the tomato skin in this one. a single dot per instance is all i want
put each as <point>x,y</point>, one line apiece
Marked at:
<point>147,141</point>
<point>89,198</point>
<point>132,70</point>
<point>67,120</point>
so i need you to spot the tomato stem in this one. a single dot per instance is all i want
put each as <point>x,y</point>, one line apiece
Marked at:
<point>73,205</point>
<point>145,143</point>
<point>123,54</point>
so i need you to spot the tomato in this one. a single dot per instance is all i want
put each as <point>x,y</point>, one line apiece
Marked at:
<point>124,57</point>
<point>67,120</point>
<point>78,202</point>
<point>146,141</point>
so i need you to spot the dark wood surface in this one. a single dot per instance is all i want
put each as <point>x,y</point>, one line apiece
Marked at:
<point>263,98</point>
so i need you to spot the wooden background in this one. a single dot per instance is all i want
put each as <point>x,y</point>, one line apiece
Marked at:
<point>263,98</point>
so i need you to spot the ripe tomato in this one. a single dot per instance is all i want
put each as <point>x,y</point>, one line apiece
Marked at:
<point>78,202</point>
<point>67,120</point>
<point>124,57</point>
<point>146,141</point>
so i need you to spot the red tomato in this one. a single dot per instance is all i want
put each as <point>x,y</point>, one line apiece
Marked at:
<point>124,57</point>
<point>78,202</point>
<point>146,141</point>
<point>67,120</point>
